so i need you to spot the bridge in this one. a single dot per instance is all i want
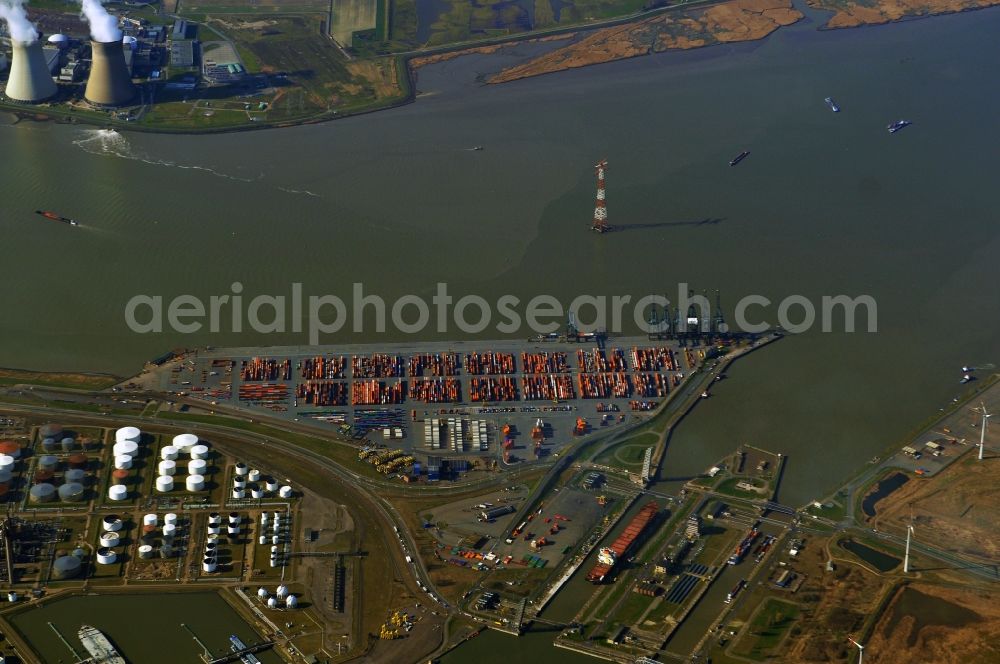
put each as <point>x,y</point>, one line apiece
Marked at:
<point>236,655</point>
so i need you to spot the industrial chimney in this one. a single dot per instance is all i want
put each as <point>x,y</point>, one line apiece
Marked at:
<point>30,80</point>
<point>109,83</point>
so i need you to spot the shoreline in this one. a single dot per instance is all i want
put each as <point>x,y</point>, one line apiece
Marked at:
<point>844,14</point>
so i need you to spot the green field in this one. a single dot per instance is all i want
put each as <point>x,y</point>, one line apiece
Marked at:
<point>767,629</point>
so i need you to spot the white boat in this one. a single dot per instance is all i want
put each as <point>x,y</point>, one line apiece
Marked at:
<point>98,647</point>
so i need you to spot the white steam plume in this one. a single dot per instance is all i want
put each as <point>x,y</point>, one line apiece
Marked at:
<point>20,27</point>
<point>103,26</point>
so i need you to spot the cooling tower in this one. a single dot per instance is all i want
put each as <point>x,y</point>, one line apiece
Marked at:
<point>109,83</point>
<point>29,79</point>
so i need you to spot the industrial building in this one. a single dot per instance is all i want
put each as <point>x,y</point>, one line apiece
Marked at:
<point>497,512</point>
<point>182,53</point>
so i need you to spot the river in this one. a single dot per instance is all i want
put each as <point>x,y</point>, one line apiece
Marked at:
<point>826,204</point>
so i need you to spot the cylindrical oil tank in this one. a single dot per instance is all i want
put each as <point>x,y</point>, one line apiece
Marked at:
<point>68,444</point>
<point>123,462</point>
<point>10,448</point>
<point>271,484</point>
<point>129,447</point>
<point>5,476</point>
<point>167,467</point>
<point>239,483</point>
<point>149,532</point>
<point>272,603</point>
<point>117,492</point>
<point>214,519</point>
<point>128,433</point>
<point>6,462</point>
<point>195,483</point>
<point>275,539</point>
<point>254,475</point>
<point>168,453</point>
<point>209,565</point>
<point>285,492</point>
<point>255,492</point>
<point>110,539</point>
<point>241,469</point>
<point>42,493</point>
<point>262,539</point>
<point>164,483</point>
<point>166,551</point>
<point>214,530</point>
<point>277,526</point>
<point>234,517</point>
<point>66,567</point>
<point>71,492</point>
<point>169,530</point>
<point>50,431</point>
<point>239,494</point>
<point>197,466</point>
<point>150,520</point>
<point>111,522</point>
<point>170,518</point>
<point>75,475</point>
<point>291,602</point>
<point>184,442</point>
<point>145,551</point>
<point>77,460</point>
<point>282,592</point>
<point>106,556</point>
<point>48,462</point>
<point>119,476</point>
<point>212,538</point>
<point>43,476</point>
<point>262,593</point>
<point>265,518</point>
<point>274,563</point>
<point>233,530</point>
<point>274,551</point>
<point>199,451</point>
<point>48,444</point>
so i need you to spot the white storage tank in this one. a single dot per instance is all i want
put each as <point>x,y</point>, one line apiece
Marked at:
<point>262,593</point>
<point>214,539</point>
<point>6,462</point>
<point>71,492</point>
<point>291,602</point>
<point>274,563</point>
<point>241,469</point>
<point>214,530</point>
<point>234,518</point>
<point>254,475</point>
<point>271,484</point>
<point>42,493</point>
<point>272,603</point>
<point>110,539</point>
<point>265,518</point>
<point>199,451</point>
<point>255,492</point>
<point>123,462</point>
<point>164,483</point>
<point>68,445</point>
<point>45,462</point>
<point>239,483</point>
<point>150,520</point>
<point>197,466</point>
<point>145,551</point>
<point>170,518</point>
<point>275,539</point>
<point>111,522</point>
<point>169,530</point>
<point>214,519</point>
<point>127,434</point>
<point>239,494</point>
<point>168,453</point>
<point>285,492</point>
<point>208,565</point>
<point>128,447</point>
<point>262,539</point>
<point>167,467</point>
<point>233,530</point>
<point>106,556</point>
<point>71,475</point>
<point>117,492</point>
<point>185,441</point>
<point>195,483</point>
<point>282,592</point>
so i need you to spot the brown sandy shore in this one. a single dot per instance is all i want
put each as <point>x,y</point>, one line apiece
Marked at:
<point>736,21</point>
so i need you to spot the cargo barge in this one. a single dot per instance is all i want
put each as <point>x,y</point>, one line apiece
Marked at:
<point>608,557</point>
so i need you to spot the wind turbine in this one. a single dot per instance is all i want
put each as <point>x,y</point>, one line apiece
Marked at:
<point>982,429</point>
<point>906,558</point>
<point>861,649</point>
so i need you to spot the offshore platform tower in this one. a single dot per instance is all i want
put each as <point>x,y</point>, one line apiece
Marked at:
<point>600,207</point>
